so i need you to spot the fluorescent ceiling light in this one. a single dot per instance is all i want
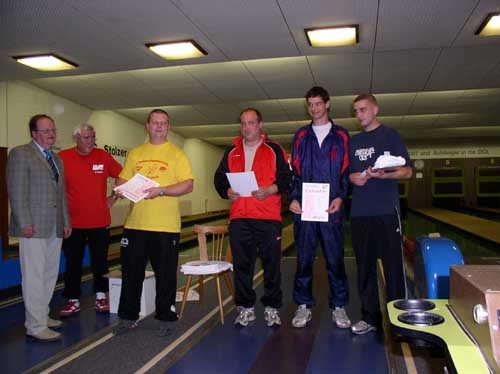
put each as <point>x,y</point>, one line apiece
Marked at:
<point>49,62</point>
<point>490,26</point>
<point>333,36</point>
<point>178,50</point>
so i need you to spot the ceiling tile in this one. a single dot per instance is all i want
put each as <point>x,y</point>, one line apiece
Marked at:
<point>249,30</point>
<point>461,68</point>
<point>403,71</point>
<point>221,80</point>
<point>342,74</point>
<point>405,24</point>
<point>282,78</point>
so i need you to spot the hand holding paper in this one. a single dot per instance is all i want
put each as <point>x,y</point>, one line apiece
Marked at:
<point>243,183</point>
<point>315,202</point>
<point>134,188</point>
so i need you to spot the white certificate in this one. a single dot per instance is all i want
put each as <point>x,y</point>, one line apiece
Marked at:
<point>134,188</point>
<point>315,202</point>
<point>243,183</point>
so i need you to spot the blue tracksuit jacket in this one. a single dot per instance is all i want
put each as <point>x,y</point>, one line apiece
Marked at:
<point>328,164</point>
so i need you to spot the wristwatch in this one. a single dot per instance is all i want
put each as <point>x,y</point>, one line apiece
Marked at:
<point>161,193</point>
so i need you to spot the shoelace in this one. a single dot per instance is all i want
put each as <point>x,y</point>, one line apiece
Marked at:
<point>301,313</point>
<point>245,313</point>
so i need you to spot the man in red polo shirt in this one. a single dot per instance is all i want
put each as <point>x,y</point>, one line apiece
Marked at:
<point>87,170</point>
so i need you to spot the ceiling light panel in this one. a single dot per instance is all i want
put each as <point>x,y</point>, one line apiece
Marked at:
<point>490,26</point>
<point>178,50</point>
<point>333,36</point>
<point>48,62</point>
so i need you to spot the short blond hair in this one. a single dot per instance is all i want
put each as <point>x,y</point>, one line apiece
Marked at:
<point>368,97</point>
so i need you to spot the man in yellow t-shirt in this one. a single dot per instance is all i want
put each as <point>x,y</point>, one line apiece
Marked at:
<point>152,228</point>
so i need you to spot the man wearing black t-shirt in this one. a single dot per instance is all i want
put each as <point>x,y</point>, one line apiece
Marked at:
<point>375,223</point>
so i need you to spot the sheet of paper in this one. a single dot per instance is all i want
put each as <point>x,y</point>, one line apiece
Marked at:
<point>134,188</point>
<point>315,202</point>
<point>243,183</point>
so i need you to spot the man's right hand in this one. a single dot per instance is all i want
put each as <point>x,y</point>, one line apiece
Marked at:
<point>232,195</point>
<point>28,231</point>
<point>295,207</point>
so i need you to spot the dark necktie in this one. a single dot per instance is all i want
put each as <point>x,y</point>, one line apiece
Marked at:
<point>50,160</point>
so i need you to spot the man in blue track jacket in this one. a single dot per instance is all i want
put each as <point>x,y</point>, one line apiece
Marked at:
<point>320,155</point>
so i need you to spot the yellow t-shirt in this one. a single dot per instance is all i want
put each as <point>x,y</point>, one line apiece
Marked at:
<point>167,164</point>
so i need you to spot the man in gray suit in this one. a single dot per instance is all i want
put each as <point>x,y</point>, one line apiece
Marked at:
<point>39,217</point>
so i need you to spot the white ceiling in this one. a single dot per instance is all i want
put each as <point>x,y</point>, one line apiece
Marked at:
<point>433,77</point>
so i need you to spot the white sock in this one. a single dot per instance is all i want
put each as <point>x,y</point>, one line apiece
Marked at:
<point>100,295</point>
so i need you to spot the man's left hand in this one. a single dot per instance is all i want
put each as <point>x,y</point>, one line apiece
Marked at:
<point>152,192</point>
<point>263,192</point>
<point>335,205</point>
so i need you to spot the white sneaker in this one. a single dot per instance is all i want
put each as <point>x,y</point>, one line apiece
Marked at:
<point>245,315</point>
<point>271,316</point>
<point>53,323</point>
<point>46,335</point>
<point>362,327</point>
<point>339,316</point>
<point>302,316</point>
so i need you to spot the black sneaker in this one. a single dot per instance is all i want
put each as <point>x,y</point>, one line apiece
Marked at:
<point>163,329</point>
<point>123,326</point>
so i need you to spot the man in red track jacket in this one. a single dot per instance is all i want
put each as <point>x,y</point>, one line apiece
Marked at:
<point>255,221</point>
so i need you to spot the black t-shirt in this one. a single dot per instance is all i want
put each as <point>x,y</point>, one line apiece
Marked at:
<point>377,196</point>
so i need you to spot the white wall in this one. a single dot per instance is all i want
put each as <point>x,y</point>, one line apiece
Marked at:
<point>204,159</point>
<point>23,100</point>
<point>20,100</point>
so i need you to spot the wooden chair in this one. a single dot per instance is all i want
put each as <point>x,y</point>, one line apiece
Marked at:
<point>207,263</point>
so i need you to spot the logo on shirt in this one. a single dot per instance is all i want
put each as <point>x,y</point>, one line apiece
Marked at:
<point>98,168</point>
<point>124,242</point>
<point>333,154</point>
<point>364,154</point>
<point>152,168</point>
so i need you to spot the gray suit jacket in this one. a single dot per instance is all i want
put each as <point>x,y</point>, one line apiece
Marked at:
<point>35,197</point>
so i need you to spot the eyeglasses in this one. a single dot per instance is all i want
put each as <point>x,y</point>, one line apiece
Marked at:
<point>159,123</point>
<point>47,131</point>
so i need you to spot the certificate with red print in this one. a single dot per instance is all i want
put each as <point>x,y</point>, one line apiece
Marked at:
<point>134,188</point>
<point>315,201</point>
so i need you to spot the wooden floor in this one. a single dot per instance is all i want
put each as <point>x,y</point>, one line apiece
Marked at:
<point>481,227</point>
